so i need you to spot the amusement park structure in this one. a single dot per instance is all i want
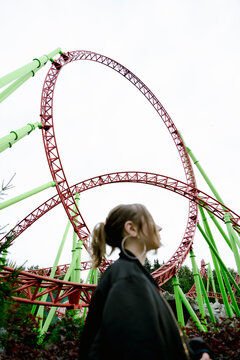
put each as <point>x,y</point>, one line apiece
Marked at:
<point>42,287</point>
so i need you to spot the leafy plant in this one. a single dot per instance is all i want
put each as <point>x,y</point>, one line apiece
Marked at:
<point>224,341</point>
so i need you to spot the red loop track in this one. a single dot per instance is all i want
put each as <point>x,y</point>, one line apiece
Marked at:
<point>56,167</point>
<point>165,272</point>
<point>30,284</point>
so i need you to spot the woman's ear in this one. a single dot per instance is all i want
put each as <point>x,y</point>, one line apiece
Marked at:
<point>130,228</point>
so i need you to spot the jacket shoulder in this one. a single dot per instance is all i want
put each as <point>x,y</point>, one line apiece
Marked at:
<point>120,269</point>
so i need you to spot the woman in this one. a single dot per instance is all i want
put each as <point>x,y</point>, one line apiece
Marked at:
<point>128,318</point>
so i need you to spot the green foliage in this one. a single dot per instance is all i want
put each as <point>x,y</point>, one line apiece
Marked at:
<point>7,283</point>
<point>224,342</point>
<point>20,332</point>
<point>232,272</point>
<point>148,265</point>
<point>185,276</point>
<point>20,338</point>
<point>65,334</point>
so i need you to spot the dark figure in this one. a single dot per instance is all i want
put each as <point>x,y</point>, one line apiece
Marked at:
<point>128,319</point>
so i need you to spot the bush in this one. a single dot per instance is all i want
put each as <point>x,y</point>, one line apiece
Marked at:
<point>224,341</point>
<point>20,338</point>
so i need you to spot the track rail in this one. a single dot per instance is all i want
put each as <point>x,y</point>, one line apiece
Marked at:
<point>53,157</point>
<point>30,284</point>
<point>33,287</point>
<point>164,273</point>
<point>61,269</point>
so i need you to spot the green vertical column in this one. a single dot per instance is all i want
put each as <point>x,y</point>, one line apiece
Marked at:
<point>203,290</point>
<point>210,184</point>
<point>210,275</point>
<point>190,309</point>
<point>204,175</point>
<point>79,247</point>
<point>85,309</point>
<point>25,195</point>
<point>178,301</point>
<point>207,300</point>
<point>220,229</point>
<point>197,284</point>
<point>223,266</point>
<point>230,292</point>
<point>208,279</point>
<point>14,136</point>
<point>95,276</point>
<point>53,308</point>
<point>216,265</point>
<point>232,236</point>
<point>74,245</point>
<point>54,268</point>
<point>91,279</point>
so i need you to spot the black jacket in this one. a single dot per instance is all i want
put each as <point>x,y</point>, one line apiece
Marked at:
<point>128,319</point>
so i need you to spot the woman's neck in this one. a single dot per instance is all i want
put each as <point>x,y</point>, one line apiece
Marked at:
<point>136,249</point>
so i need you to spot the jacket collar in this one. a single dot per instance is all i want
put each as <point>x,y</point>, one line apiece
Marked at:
<point>131,257</point>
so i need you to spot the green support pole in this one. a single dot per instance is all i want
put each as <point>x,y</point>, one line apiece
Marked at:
<point>232,239</point>
<point>54,268</point>
<point>210,184</point>
<point>95,276</point>
<point>79,247</point>
<point>220,229</point>
<point>225,275</point>
<point>204,175</point>
<point>210,275</point>
<point>25,195</point>
<point>234,306</point>
<point>53,308</point>
<point>14,86</point>
<point>74,245</point>
<point>34,307</point>
<point>202,172</point>
<point>32,66</point>
<point>76,250</point>
<point>219,259</point>
<point>198,286</point>
<point>206,300</point>
<point>88,281</point>
<point>14,136</point>
<point>190,310</point>
<point>178,301</point>
<point>208,278</point>
<point>216,265</point>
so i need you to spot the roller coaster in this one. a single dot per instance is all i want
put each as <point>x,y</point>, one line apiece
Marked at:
<point>59,286</point>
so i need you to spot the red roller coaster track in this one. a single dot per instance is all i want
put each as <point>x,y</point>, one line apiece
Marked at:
<point>52,152</point>
<point>163,274</point>
<point>31,283</point>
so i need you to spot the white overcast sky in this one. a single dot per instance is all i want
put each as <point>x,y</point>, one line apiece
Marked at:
<point>186,52</point>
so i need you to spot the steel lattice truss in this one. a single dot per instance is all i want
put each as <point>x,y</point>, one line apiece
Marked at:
<point>33,287</point>
<point>53,156</point>
<point>211,294</point>
<point>167,270</point>
<point>31,283</point>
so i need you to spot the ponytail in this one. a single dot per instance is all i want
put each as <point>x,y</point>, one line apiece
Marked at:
<point>112,232</point>
<point>98,244</point>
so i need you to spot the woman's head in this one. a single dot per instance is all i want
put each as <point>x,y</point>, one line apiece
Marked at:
<point>133,221</point>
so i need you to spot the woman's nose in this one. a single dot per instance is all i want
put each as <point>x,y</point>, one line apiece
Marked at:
<point>158,228</point>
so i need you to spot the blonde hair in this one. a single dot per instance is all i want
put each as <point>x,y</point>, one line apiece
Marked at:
<point>111,232</point>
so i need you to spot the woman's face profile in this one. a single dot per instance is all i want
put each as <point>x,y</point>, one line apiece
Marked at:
<point>152,237</point>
